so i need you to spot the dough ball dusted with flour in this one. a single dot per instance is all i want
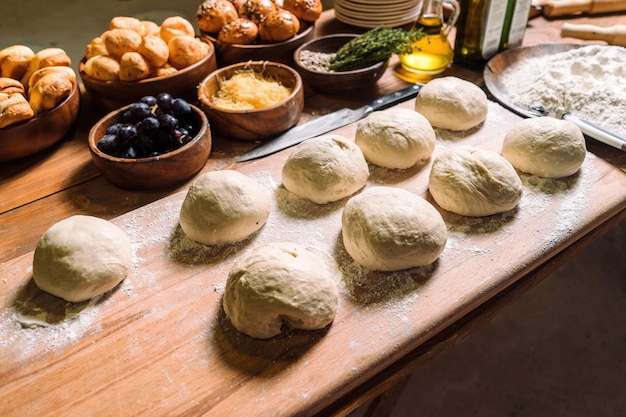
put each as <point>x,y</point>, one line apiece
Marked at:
<point>474,182</point>
<point>325,169</point>
<point>280,283</point>
<point>545,146</point>
<point>390,229</point>
<point>395,138</point>
<point>452,103</point>
<point>224,207</point>
<point>81,257</point>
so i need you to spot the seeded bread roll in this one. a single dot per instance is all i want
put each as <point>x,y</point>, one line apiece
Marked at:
<point>240,31</point>
<point>307,10</point>
<point>256,10</point>
<point>279,26</point>
<point>15,60</point>
<point>213,14</point>
<point>13,109</point>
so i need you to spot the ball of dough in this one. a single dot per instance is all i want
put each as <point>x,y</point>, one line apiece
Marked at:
<point>474,182</point>
<point>395,138</point>
<point>452,103</point>
<point>224,207</point>
<point>325,169</point>
<point>278,283</point>
<point>390,229</point>
<point>545,146</point>
<point>81,257</point>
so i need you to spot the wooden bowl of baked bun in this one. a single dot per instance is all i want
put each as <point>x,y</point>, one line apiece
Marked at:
<point>135,58</point>
<point>252,100</point>
<point>135,153</point>
<point>39,100</point>
<point>333,82</point>
<point>255,30</point>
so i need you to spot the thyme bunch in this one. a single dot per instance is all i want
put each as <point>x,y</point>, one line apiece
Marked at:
<point>375,45</point>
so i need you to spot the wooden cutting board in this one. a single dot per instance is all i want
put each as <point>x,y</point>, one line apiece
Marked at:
<point>160,344</point>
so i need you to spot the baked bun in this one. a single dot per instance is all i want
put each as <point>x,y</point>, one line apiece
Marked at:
<point>279,26</point>
<point>155,50</point>
<point>13,109</point>
<point>213,14</point>
<point>240,30</point>
<point>163,71</point>
<point>186,50</point>
<point>256,10</point>
<point>307,10</point>
<point>48,91</point>
<point>103,67</point>
<point>120,41</point>
<point>176,26</point>
<point>134,67</point>
<point>47,57</point>
<point>11,86</point>
<point>15,60</point>
<point>95,47</point>
<point>126,22</point>
<point>64,71</point>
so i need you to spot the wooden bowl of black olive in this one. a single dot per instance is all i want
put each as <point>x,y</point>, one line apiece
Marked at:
<point>156,143</point>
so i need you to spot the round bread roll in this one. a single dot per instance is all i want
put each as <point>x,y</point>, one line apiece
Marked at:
<point>134,67</point>
<point>307,10</point>
<point>545,146</point>
<point>11,86</point>
<point>325,169</point>
<point>14,109</point>
<point>241,31</point>
<point>176,26</point>
<point>279,283</point>
<point>255,10</point>
<point>81,257</point>
<point>185,51</point>
<point>474,182</point>
<point>452,103</point>
<point>224,207</point>
<point>390,229</point>
<point>103,67</point>
<point>120,41</point>
<point>95,48</point>
<point>279,26</point>
<point>15,60</point>
<point>213,14</point>
<point>395,138</point>
<point>126,22</point>
<point>148,27</point>
<point>155,50</point>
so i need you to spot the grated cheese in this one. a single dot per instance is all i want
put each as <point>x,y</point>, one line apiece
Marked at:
<point>248,89</point>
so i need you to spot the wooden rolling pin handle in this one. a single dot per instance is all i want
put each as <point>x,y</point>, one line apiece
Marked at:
<point>567,7</point>
<point>613,35</point>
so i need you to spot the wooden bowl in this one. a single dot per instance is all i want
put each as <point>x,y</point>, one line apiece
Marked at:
<point>282,52</point>
<point>336,82</point>
<point>256,124</point>
<point>111,95</point>
<point>42,131</point>
<point>156,172</point>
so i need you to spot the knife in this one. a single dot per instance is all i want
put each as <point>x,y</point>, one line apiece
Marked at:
<point>328,122</point>
<point>593,131</point>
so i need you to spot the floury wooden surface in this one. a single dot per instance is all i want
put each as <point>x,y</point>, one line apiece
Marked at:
<point>160,345</point>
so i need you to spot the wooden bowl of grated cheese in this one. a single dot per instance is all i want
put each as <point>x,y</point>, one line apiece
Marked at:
<point>252,101</point>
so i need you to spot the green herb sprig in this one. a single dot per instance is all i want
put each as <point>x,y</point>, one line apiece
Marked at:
<point>375,45</point>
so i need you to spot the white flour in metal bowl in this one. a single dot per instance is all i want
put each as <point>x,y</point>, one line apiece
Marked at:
<point>589,82</point>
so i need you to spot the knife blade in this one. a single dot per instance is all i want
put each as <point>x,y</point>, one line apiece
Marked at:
<point>593,131</point>
<point>328,122</point>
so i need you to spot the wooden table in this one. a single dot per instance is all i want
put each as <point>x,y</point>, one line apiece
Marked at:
<point>160,344</point>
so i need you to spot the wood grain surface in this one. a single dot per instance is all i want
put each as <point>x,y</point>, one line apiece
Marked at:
<point>159,344</point>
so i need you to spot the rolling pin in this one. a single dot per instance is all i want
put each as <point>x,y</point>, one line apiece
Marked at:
<point>613,35</point>
<point>551,8</point>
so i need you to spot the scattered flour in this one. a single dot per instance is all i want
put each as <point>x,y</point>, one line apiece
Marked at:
<point>589,82</point>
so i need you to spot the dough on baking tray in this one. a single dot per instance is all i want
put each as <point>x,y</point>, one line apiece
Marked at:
<point>545,146</point>
<point>452,103</point>
<point>224,207</point>
<point>474,182</point>
<point>395,138</point>
<point>81,257</point>
<point>279,283</point>
<point>325,169</point>
<point>390,229</point>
